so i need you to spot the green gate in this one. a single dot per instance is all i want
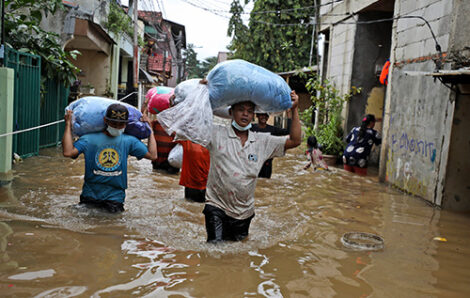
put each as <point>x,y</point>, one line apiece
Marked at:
<point>52,109</point>
<point>30,110</point>
<point>26,107</point>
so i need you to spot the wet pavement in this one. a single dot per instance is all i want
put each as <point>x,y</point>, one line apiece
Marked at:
<point>50,247</point>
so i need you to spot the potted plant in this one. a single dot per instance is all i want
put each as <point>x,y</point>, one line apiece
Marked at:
<point>329,103</point>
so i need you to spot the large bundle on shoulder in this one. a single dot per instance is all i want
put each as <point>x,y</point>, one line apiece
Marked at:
<point>89,111</point>
<point>237,80</point>
<point>229,82</point>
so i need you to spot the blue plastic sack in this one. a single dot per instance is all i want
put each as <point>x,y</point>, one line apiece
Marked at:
<point>235,81</point>
<point>88,113</point>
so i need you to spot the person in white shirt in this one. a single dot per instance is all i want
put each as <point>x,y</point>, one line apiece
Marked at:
<point>237,155</point>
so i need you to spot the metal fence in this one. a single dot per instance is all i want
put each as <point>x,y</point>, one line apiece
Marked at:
<point>53,105</point>
<point>27,97</point>
<point>30,109</point>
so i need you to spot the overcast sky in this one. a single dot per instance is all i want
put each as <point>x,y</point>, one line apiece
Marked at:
<point>206,30</point>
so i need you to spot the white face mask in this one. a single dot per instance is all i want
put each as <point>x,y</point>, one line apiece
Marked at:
<point>114,131</point>
<point>240,128</point>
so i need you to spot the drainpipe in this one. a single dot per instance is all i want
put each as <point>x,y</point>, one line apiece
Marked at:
<point>136,46</point>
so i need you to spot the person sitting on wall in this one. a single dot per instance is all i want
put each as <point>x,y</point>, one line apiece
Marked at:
<point>360,141</point>
<point>263,126</point>
<point>106,155</point>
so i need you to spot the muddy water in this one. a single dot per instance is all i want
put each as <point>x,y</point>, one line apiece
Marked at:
<point>49,247</point>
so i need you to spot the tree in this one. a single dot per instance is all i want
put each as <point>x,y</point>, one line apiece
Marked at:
<point>192,64</point>
<point>278,36</point>
<point>22,19</point>
<point>207,65</point>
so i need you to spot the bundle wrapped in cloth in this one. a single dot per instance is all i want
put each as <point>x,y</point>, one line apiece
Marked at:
<point>229,82</point>
<point>89,111</point>
<point>158,90</point>
<point>235,81</point>
<point>159,102</point>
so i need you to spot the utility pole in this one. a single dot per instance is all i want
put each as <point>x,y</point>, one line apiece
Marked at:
<point>136,45</point>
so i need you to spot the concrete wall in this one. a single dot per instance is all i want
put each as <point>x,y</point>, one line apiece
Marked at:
<point>419,109</point>
<point>421,115</point>
<point>457,183</point>
<point>413,38</point>
<point>459,52</point>
<point>341,52</point>
<point>95,68</point>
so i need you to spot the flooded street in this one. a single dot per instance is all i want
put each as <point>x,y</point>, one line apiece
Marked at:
<point>49,247</point>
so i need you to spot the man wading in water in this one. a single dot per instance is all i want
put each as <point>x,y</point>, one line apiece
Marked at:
<point>236,156</point>
<point>106,155</point>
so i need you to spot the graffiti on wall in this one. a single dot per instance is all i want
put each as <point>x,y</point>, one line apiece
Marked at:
<point>412,175</point>
<point>405,143</point>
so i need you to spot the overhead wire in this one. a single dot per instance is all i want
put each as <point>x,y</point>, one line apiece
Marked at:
<point>263,11</point>
<point>341,22</point>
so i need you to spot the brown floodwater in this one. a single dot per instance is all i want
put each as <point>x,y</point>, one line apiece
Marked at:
<point>49,247</point>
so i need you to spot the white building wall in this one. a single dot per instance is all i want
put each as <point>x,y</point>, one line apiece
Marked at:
<point>340,60</point>
<point>413,37</point>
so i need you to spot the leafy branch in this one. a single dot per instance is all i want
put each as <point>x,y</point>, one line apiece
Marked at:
<point>22,19</point>
<point>329,103</point>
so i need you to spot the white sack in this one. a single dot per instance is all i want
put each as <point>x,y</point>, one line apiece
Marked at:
<point>175,157</point>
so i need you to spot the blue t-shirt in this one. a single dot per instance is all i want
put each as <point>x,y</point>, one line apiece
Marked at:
<point>106,164</point>
<point>358,149</point>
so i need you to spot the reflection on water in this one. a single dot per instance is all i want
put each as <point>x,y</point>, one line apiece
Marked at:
<point>51,247</point>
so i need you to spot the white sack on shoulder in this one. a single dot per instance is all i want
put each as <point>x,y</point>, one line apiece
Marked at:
<point>191,119</point>
<point>184,89</point>
<point>175,157</point>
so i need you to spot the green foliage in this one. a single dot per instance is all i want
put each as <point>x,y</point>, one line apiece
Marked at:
<point>22,19</point>
<point>192,64</point>
<point>195,67</point>
<point>208,64</point>
<point>277,48</point>
<point>329,103</point>
<point>118,21</point>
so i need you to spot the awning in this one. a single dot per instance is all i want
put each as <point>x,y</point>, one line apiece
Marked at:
<point>147,76</point>
<point>457,76</point>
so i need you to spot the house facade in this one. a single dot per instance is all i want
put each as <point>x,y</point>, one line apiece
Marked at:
<point>421,118</point>
<point>81,28</point>
<point>162,56</point>
<point>106,59</point>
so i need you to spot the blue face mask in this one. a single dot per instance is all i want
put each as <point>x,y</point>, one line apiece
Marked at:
<point>114,131</point>
<point>238,127</point>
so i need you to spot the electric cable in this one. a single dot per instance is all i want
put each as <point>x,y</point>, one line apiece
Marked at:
<point>265,11</point>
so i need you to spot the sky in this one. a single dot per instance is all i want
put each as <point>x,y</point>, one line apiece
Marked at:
<point>206,30</point>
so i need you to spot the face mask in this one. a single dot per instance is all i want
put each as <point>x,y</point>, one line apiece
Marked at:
<point>238,127</point>
<point>114,131</point>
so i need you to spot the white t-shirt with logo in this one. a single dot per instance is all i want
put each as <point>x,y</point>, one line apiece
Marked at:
<point>233,169</point>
